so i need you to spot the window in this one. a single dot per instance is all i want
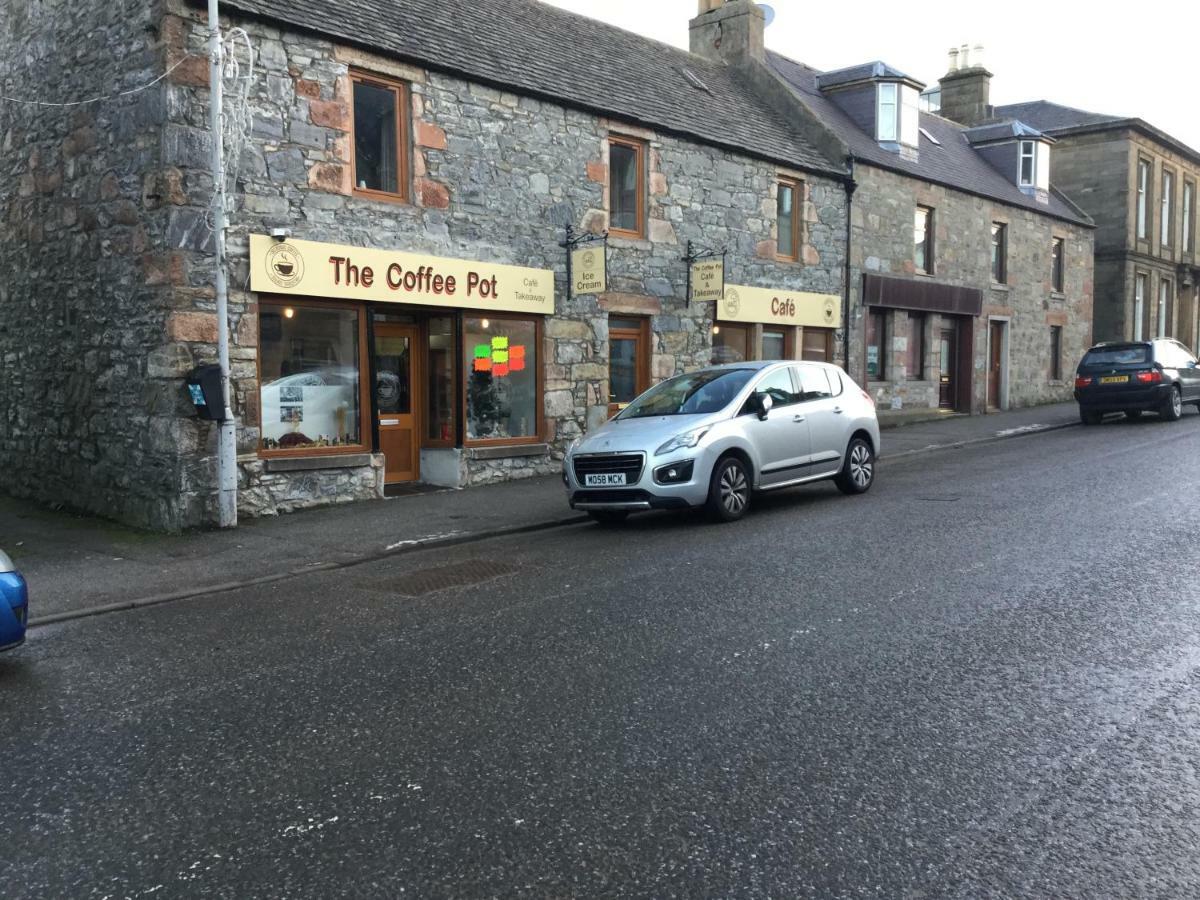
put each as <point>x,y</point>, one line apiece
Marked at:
<point>817,345</point>
<point>776,344</point>
<point>1164,308</point>
<point>1139,306</point>
<point>1166,238</point>
<point>1189,224</point>
<point>439,362</point>
<point>311,394</point>
<point>814,385</point>
<point>923,240</point>
<point>1056,353</point>
<point>887,113</point>
<point>778,385</point>
<point>380,143</point>
<point>1028,163</point>
<point>876,357</point>
<point>999,252</point>
<point>1143,199</point>
<point>628,359</point>
<point>1057,262</point>
<point>731,343</point>
<point>787,214</point>
<point>627,187</point>
<point>501,373</point>
<point>916,347</point>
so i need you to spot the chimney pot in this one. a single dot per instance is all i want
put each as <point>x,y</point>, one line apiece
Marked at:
<point>953,60</point>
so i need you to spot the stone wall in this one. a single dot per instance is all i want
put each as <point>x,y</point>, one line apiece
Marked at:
<point>882,243</point>
<point>90,402</point>
<point>496,176</point>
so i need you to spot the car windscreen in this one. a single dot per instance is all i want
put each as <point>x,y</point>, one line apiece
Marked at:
<point>698,393</point>
<point>1138,354</point>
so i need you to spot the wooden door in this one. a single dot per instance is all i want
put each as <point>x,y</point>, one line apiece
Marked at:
<point>396,402</point>
<point>947,367</point>
<point>995,364</point>
<point>628,362</point>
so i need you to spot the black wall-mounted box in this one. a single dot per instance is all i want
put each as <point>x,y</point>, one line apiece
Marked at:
<point>204,390</point>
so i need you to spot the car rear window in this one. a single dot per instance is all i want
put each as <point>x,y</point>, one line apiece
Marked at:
<point>1117,356</point>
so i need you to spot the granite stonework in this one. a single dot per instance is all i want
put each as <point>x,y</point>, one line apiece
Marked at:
<point>496,177</point>
<point>882,243</point>
<point>91,411</point>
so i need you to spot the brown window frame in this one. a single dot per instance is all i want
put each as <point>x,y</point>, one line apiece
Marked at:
<point>539,322</point>
<point>639,149</point>
<point>928,268</point>
<point>642,335</point>
<point>403,129</point>
<point>1000,265</point>
<point>457,413</point>
<point>789,340</point>
<point>881,334</point>
<point>365,445</point>
<point>826,333</point>
<point>1058,266</point>
<point>916,338</point>
<point>795,186</point>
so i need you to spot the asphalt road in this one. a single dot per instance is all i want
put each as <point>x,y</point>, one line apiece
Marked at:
<point>982,679</point>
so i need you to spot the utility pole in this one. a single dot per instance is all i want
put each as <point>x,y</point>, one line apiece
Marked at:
<point>227,434</point>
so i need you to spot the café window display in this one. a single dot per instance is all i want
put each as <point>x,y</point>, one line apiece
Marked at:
<point>310,377</point>
<point>731,343</point>
<point>501,375</point>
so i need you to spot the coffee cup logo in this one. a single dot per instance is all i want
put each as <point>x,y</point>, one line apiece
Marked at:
<point>589,258</point>
<point>830,308</point>
<point>732,303</point>
<point>285,265</point>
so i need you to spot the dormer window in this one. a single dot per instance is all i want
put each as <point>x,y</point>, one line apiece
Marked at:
<point>1028,163</point>
<point>887,115</point>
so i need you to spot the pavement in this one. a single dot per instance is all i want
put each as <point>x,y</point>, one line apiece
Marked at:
<point>78,565</point>
<point>977,681</point>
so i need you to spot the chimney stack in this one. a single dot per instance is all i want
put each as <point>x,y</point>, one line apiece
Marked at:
<point>729,31</point>
<point>967,87</point>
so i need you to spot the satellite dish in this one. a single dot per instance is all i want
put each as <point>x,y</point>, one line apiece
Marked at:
<point>768,13</point>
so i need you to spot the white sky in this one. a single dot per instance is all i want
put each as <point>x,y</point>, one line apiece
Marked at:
<point>1105,57</point>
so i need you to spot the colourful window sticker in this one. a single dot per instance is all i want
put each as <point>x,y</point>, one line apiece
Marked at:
<point>517,365</point>
<point>499,356</point>
<point>500,370</point>
<point>483,365</point>
<point>516,351</point>
<point>500,343</point>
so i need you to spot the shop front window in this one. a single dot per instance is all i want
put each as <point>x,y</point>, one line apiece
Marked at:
<point>501,378</point>
<point>817,345</point>
<point>731,343</point>
<point>876,358</point>
<point>775,344</point>
<point>440,365</point>
<point>310,377</point>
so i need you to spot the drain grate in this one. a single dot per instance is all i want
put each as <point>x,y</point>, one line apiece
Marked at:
<point>429,581</point>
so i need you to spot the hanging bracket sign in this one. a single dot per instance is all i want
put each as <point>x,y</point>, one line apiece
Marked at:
<point>706,274</point>
<point>587,262</point>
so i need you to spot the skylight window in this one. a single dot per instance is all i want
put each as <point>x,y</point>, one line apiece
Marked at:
<point>929,137</point>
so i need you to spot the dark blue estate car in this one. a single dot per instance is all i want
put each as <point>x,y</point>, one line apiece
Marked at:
<point>1133,377</point>
<point>14,605</point>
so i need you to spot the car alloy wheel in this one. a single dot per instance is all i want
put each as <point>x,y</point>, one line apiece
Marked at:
<point>1172,410</point>
<point>735,492</point>
<point>862,469</point>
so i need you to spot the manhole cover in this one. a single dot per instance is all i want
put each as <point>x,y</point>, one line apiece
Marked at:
<point>428,581</point>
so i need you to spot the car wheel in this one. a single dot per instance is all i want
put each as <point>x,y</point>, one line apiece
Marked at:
<point>1133,413</point>
<point>729,490</point>
<point>1172,409</point>
<point>1090,416</point>
<point>608,516</point>
<point>858,472</point>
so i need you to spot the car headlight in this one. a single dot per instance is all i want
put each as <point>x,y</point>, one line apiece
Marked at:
<point>571,446</point>
<point>682,441</point>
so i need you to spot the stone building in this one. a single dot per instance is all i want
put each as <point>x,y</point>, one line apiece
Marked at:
<point>969,274</point>
<point>1139,186</point>
<point>399,303</point>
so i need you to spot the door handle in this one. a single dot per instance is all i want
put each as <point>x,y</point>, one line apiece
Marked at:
<point>797,418</point>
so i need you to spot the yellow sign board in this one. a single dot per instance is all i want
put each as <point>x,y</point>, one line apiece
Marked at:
<point>779,307</point>
<point>588,275</point>
<point>708,279</point>
<point>356,273</point>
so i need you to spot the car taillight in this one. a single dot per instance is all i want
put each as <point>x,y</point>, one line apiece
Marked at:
<point>1083,381</point>
<point>1152,377</point>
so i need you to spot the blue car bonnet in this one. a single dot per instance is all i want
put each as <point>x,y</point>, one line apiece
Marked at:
<point>14,604</point>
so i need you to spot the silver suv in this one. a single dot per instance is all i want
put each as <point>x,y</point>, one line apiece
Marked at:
<point>712,437</point>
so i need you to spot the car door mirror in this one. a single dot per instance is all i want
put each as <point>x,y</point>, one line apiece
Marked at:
<point>763,403</point>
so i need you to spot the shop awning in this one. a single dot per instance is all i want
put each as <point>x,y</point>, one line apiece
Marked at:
<point>921,295</point>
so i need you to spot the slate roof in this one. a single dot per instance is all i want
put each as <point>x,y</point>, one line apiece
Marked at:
<point>876,69</point>
<point>952,162</point>
<point>534,49</point>
<point>1005,130</point>
<point>1054,118</point>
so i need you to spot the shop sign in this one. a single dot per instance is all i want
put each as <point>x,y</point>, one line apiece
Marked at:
<point>708,280</point>
<point>341,272</point>
<point>588,270</point>
<point>775,307</point>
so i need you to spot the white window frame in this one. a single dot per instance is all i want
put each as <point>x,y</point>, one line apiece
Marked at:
<point>1164,228</point>
<point>1189,190</point>
<point>1143,200</point>
<point>1031,146</point>
<point>1139,304</point>
<point>893,120</point>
